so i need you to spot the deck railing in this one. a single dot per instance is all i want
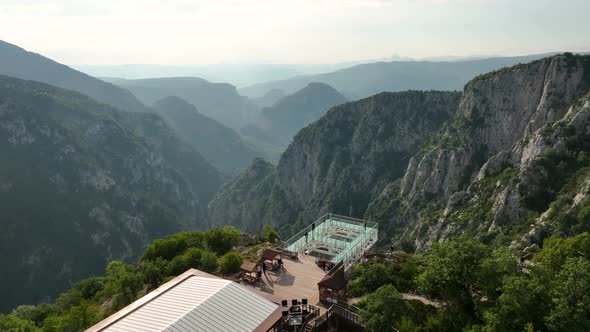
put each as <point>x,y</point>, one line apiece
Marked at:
<point>344,251</point>
<point>344,311</point>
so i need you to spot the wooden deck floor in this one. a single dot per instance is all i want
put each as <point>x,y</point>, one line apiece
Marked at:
<point>298,280</point>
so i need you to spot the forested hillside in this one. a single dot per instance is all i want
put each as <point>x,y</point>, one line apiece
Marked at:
<point>82,183</point>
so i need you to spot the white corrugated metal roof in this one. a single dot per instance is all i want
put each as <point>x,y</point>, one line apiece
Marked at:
<point>198,304</point>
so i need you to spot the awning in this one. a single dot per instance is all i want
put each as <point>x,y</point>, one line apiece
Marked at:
<point>248,266</point>
<point>270,254</point>
<point>335,279</point>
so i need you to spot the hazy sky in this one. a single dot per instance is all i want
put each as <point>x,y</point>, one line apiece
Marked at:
<point>289,31</point>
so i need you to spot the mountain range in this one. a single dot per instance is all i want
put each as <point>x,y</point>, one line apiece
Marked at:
<point>220,145</point>
<point>281,121</point>
<point>82,183</point>
<point>364,80</point>
<point>17,62</point>
<point>504,161</point>
<point>219,101</point>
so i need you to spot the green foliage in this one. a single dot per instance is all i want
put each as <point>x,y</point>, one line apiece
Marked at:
<point>230,262</point>
<point>153,272</point>
<point>452,270</point>
<point>11,323</point>
<point>383,309</point>
<point>269,234</point>
<point>209,262</point>
<point>90,286</point>
<point>167,248</point>
<point>571,297</point>
<point>221,240</point>
<point>82,305</point>
<point>366,278</point>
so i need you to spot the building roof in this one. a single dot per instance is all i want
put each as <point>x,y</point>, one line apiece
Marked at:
<point>335,279</point>
<point>195,301</point>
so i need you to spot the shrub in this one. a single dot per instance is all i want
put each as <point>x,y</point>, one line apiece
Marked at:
<point>230,262</point>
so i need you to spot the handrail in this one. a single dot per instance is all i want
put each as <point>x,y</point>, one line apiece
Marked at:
<point>342,310</point>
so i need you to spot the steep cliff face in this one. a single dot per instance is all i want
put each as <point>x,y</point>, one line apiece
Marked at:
<point>244,200</point>
<point>486,173</point>
<point>345,159</point>
<point>506,161</point>
<point>82,183</point>
<point>496,110</point>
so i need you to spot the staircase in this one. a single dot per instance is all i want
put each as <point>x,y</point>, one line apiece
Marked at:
<point>344,311</point>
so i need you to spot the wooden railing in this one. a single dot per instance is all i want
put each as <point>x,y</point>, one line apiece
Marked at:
<point>345,311</point>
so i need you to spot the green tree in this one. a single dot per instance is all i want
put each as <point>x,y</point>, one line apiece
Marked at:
<point>90,286</point>
<point>269,234</point>
<point>571,297</point>
<point>523,300</point>
<point>383,309</point>
<point>11,323</point>
<point>452,270</point>
<point>209,262</point>
<point>154,272</point>
<point>556,251</point>
<point>501,263</point>
<point>37,313</point>
<point>367,278</point>
<point>221,240</point>
<point>167,248</point>
<point>230,262</point>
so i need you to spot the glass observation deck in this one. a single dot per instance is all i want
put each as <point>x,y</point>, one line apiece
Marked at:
<point>335,238</point>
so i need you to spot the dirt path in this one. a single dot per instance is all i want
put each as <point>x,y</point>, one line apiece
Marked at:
<point>405,296</point>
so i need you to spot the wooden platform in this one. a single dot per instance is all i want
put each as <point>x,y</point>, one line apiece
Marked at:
<point>297,280</point>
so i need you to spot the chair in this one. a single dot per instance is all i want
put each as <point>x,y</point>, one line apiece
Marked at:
<point>284,303</point>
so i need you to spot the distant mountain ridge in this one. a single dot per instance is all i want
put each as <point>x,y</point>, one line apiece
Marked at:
<point>364,80</point>
<point>219,101</point>
<point>281,121</point>
<point>220,145</point>
<point>19,63</point>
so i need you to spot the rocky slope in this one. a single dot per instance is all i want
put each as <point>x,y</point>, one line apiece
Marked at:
<point>220,145</point>
<point>17,62</point>
<point>505,161</point>
<point>280,122</point>
<point>337,164</point>
<point>219,101</point>
<point>82,183</point>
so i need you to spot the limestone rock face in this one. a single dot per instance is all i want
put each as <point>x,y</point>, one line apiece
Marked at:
<point>344,160</point>
<point>494,113</point>
<point>504,161</point>
<point>512,119</point>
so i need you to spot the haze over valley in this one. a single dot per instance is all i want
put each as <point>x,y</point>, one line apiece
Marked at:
<point>207,138</point>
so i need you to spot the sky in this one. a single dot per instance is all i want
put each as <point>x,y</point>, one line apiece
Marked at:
<point>190,32</point>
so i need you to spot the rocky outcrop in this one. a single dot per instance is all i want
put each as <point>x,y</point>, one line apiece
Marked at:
<point>518,120</point>
<point>496,111</point>
<point>341,162</point>
<point>507,161</point>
